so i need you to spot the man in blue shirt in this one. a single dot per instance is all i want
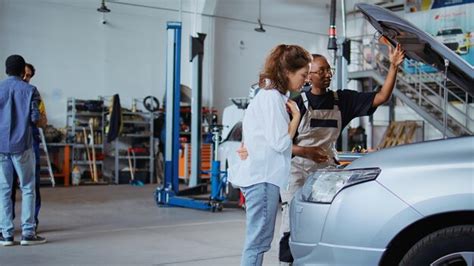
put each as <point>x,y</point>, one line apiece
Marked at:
<point>18,113</point>
<point>30,73</point>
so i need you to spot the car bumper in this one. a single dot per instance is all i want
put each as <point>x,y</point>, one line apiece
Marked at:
<point>326,254</point>
<point>354,229</point>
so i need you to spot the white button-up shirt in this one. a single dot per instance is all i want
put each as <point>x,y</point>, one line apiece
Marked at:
<point>265,135</point>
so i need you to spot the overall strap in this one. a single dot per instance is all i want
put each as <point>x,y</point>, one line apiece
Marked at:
<point>305,100</point>
<point>336,98</point>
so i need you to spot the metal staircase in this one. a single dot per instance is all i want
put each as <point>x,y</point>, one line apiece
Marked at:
<point>422,91</point>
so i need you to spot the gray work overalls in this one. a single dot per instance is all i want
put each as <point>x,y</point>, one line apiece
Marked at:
<point>317,128</point>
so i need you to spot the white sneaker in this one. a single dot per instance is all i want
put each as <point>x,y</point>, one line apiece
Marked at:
<point>6,241</point>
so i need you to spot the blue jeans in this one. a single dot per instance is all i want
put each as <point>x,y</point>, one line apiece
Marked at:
<point>36,148</point>
<point>261,205</point>
<point>24,165</point>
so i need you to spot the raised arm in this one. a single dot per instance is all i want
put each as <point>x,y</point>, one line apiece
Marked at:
<point>396,58</point>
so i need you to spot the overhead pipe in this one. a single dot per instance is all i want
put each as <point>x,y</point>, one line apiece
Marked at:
<point>332,45</point>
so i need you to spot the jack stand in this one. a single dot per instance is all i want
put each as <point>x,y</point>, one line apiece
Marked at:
<point>219,184</point>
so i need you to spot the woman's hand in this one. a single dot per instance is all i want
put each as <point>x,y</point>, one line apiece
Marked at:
<point>293,108</point>
<point>242,152</point>
<point>295,118</point>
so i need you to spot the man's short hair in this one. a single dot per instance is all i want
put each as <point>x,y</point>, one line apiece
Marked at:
<point>15,65</point>
<point>32,68</point>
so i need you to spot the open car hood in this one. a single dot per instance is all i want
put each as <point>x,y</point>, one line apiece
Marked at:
<point>419,45</point>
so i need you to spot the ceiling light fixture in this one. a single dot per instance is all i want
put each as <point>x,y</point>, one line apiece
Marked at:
<point>103,8</point>
<point>260,25</point>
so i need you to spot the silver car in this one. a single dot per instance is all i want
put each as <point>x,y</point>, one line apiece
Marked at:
<point>407,205</point>
<point>412,204</point>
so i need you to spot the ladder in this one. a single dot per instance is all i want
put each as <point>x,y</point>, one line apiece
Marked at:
<point>46,156</point>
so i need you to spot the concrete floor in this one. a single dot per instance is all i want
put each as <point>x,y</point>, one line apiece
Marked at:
<point>121,225</point>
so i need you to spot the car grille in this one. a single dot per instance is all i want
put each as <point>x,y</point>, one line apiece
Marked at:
<point>452,45</point>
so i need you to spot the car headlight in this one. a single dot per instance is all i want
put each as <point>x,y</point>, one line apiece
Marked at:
<point>323,185</point>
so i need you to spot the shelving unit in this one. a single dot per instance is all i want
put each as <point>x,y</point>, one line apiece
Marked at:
<point>137,135</point>
<point>209,116</point>
<point>81,114</point>
<point>184,171</point>
<point>60,155</point>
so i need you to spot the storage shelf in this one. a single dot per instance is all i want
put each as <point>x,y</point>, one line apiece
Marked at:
<point>58,144</point>
<point>80,128</point>
<point>86,162</point>
<point>136,157</point>
<point>126,170</point>
<point>135,122</point>
<point>140,135</point>
<point>82,146</point>
<point>136,135</point>
<point>145,114</point>
<point>79,113</point>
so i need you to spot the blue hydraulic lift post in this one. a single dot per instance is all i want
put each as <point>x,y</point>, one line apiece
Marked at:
<point>177,101</point>
<point>169,193</point>
<point>196,57</point>
<point>173,97</point>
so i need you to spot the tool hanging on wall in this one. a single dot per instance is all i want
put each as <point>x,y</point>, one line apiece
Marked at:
<point>133,168</point>
<point>151,103</point>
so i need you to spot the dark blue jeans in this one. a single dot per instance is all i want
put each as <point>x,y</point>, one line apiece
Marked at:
<point>36,149</point>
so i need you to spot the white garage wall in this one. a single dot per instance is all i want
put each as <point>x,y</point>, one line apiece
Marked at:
<point>64,44</point>
<point>240,51</point>
<point>77,56</point>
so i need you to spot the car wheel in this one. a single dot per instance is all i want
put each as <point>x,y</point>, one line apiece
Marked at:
<point>449,246</point>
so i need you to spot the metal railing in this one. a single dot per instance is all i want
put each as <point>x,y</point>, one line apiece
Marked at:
<point>424,87</point>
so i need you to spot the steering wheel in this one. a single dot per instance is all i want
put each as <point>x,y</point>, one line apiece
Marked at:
<point>151,103</point>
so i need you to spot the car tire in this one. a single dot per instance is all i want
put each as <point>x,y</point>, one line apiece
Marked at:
<point>448,246</point>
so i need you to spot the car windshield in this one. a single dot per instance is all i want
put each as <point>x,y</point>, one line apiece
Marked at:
<point>449,32</point>
<point>235,133</point>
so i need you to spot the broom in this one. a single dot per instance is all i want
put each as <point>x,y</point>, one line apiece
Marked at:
<point>88,154</point>
<point>94,165</point>
<point>133,182</point>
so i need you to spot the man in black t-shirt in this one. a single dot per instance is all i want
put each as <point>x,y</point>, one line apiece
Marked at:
<point>323,116</point>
